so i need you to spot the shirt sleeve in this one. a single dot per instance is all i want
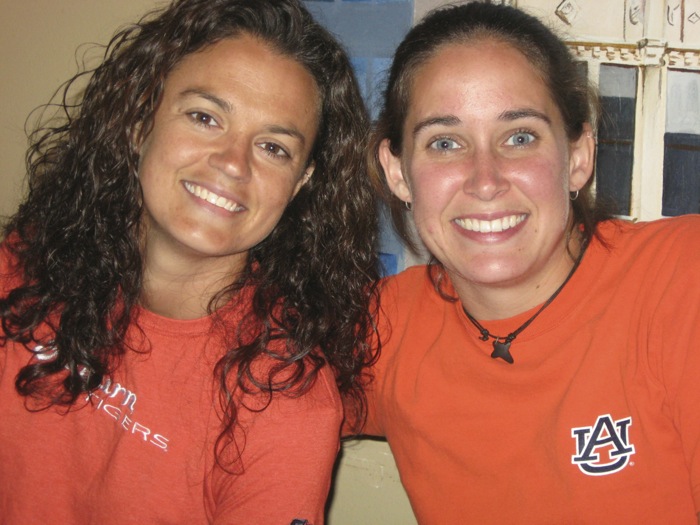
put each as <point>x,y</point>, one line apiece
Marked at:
<point>8,280</point>
<point>675,339</point>
<point>372,383</point>
<point>286,463</point>
<point>683,373</point>
<point>390,326</point>
<point>10,275</point>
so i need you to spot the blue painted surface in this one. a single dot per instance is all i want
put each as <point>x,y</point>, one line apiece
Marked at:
<point>370,30</point>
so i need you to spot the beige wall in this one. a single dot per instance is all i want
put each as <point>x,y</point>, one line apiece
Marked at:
<point>38,42</point>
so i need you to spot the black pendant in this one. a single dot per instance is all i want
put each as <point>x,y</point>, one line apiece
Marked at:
<point>502,350</point>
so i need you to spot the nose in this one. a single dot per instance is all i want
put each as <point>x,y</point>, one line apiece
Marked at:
<point>484,178</point>
<point>230,157</point>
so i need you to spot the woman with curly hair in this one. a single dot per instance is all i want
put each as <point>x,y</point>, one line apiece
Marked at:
<point>185,289</point>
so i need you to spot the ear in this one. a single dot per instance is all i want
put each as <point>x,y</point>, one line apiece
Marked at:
<point>581,159</point>
<point>393,172</point>
<point>304,178</point>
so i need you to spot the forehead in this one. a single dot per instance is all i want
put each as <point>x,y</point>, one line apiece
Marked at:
<point>246,64</point>
<point>470,73</point>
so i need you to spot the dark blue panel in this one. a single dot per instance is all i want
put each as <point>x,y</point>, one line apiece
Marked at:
<point>614,176</point>
<point>615,154</point>
<point>618,116</point>
<point>681,174</point>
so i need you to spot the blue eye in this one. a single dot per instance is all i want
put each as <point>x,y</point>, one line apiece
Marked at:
<point>444,144</point>
<point>521,138</point>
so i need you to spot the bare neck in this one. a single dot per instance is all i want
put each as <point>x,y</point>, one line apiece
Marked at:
<point>183,288</point>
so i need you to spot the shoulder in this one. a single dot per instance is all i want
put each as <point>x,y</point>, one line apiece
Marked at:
<point>290,437</point>
<point>412,284</point>
<point>413,290</point>
<point>411,306</point>
<point>670,241</point>
<point>653,259</point>
<point>10,275</point>
<point>410,275</point>
<point>309,390</point>
<point>322,395</point>
<point>671,230</point>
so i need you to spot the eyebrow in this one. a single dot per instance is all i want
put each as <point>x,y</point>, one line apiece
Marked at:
<point>224,105</point>
<point>509,115</point>
<point>516,114</point>
<point>446,120</point>
<point>292,132</point>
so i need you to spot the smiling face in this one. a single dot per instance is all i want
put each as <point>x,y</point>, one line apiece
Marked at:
<point>488,168</point>
<point>227,152</point>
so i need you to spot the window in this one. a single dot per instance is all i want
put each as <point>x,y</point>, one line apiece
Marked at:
<point>681,171</point>
<point>616,131</point>
<point>649,134</point>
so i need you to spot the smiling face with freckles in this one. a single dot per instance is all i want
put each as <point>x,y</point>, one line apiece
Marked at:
<point>488,167</point>
<point>227,152</point>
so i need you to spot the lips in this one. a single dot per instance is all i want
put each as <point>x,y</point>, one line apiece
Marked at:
<point>495,225</point>
<point>213,198</point>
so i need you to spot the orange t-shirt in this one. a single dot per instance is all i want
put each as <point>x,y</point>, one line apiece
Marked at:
<point>598,419</point>
<point>142,450</point>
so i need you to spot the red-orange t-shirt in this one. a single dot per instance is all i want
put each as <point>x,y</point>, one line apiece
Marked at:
<point>598,419</point>
<point>142,450</point>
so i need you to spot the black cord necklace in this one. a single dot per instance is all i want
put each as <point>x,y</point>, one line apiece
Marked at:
<point>501,345</point>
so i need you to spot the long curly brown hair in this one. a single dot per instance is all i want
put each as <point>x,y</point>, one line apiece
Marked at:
<point>76,235</point>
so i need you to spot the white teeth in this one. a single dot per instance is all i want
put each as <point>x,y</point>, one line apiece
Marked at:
<point>212,198</point>
<point>496,225</point>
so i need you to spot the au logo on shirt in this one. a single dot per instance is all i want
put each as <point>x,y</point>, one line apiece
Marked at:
<point>603,448</point>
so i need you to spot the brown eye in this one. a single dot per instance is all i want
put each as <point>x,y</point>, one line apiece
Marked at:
<point>274,150</point>
<point>203,119</point>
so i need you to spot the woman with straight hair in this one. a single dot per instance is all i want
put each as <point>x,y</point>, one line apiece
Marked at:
<point>542,367</point>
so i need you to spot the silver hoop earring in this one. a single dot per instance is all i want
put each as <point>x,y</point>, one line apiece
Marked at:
<point>573,195</point>
<point>409,207</point>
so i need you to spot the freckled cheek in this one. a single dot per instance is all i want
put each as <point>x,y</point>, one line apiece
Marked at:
<point>435,186</point>
<point>547,190</point>
<point>266,205</point>
<point>163,194</point>
<point>279,194</point>
<point>153,165</point>
<point>431,214</point>
<point>166,151</point>
<point>542,180</point>
<point>162,166</point>
<point>157,192</point>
